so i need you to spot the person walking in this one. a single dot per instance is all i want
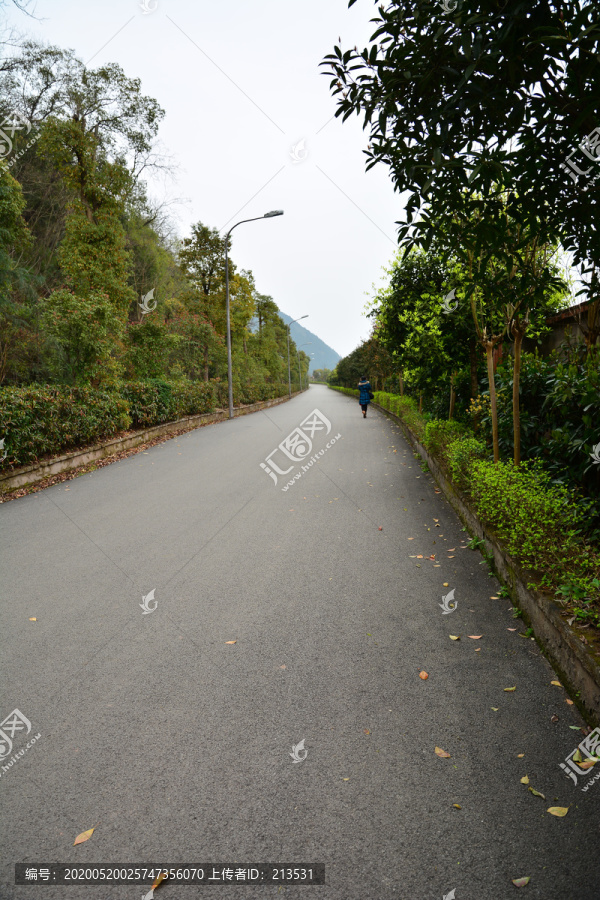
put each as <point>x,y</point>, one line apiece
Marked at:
<point>366,396</point>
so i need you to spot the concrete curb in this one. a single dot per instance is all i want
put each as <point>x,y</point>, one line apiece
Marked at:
<point>579,670</point>
<point>27,475</point>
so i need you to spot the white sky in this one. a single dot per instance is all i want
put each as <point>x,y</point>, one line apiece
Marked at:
<point>233,151</point>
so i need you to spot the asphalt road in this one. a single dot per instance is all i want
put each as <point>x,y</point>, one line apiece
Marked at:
<point>176,746</point>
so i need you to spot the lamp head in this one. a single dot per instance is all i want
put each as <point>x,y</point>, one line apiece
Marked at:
<point>274,212</point>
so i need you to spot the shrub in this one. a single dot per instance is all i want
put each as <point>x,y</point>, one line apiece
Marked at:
<point>39,421</point>
<point>439,433</point>
<point>539,522</point>
<point>460,456</point>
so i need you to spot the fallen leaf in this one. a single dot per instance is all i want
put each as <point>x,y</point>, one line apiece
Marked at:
<point>559,811</point>
<point>231,642</point>
<point>557,683</point>
<point>34,619</point>
<point>476,637</point>
<point>445,584</point>
<point>570,702</point>
<point>450,549</point>
<point>511,689</point>
<point>477,649</point>
<point>521,882</point>
<point>511,629</point>
<point>432,556</point>
<point>423,675</point>
<point>410,539</point>
<point>442,753</point>
<point>457,806</point>
<point>84,836</point>
<point>282,667</point>
<point>536,793</point>
<point>369,635</point>
<point>525,779</point>
<point>455,637</point>
<point>554,718</point>
<point>494,598</point>
<point>158,880</point>
<point>450,557</point>
<point>380,528</point>
<point>419,556</point>
<point>345,779</point>
<point>367,731</point>
<point>588,763</point>
<point>520,755</point>
<point>495,708</point>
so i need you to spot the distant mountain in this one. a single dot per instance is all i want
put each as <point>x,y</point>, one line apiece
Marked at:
<point>325,357</point>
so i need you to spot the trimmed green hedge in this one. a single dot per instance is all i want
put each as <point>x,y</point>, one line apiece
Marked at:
<point>42,420</point>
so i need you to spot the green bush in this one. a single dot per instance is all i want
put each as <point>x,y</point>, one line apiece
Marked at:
<point>460,456</point>
<point>439,433</point>
<point>539,522</point>
<point>41,421</point>
<point>155,401</point>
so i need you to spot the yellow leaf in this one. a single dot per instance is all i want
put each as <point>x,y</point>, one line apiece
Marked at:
<point>511,689</point>
<point>457,806</point>
<point>442,753</point>
<point>557,683</point>
<point>525,780</point>
<point>423,675</point>
<point>231,642</point>
<point>521,882</point>
<point>33,620</point>
<point>536,793</point>
<point>158,880</point>
<point>476,637</point>
<point>84,836</point>
<point>558,811</point>
<point>445,584</point>
<point>345,779</point>
<point>455,637</point>
<point>520,755</point>
<point>495,708</point>
<point>570,702</point>
<point>589,762</point>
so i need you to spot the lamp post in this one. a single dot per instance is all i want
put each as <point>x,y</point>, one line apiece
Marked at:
<point>269,215</point>
<point>289,372</point>
<point>306,344</point>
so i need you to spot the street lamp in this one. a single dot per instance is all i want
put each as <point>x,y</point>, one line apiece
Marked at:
<point>269,215</point>
<point>307,344</point>
<point>288,342</point>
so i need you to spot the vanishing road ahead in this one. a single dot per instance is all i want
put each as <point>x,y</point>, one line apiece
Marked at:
<point>175,743</point>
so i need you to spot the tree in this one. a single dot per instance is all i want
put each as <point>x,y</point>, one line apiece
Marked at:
<point>487,95</point>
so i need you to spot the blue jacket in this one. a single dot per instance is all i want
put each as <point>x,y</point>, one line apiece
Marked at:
<point>364,388</point>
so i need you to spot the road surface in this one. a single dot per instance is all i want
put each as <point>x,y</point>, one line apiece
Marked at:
<point>176,745</point>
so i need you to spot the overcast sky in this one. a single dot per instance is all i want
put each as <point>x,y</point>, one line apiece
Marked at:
<point>241,87</point>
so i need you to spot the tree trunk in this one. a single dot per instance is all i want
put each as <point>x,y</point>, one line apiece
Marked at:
<point>401,380</point>
<point>452,397</point>
<point>473,367</point>
<point>516,408</point>
<point>489,352</point>
<point>206,362</point>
